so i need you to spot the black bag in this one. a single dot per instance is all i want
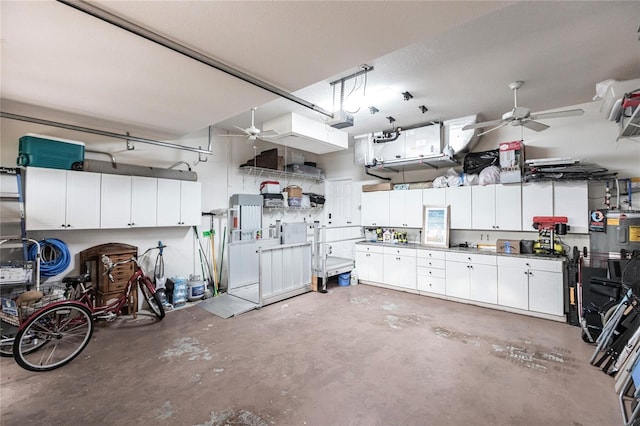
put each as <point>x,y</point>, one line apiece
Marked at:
<point>474,162</point>
<point>266,159</point>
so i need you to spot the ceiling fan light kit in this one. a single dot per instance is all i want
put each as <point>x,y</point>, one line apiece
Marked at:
<point>521,116</point>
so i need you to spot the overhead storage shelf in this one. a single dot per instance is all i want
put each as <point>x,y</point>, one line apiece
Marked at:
<point>259,171</point>
<point>631,127</point>
<point>432,162</point>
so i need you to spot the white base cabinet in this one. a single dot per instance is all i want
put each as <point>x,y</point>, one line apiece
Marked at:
<point>472,276</point>
<point>430,271</point>
<point>532,284</point>
<point>399,268</point>
<point>369,262</point>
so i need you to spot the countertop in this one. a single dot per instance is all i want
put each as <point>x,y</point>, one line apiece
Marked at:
<point>464,250</point>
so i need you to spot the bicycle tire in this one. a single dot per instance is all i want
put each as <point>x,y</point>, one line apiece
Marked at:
<point>152,298</point>
<point>65,328</point>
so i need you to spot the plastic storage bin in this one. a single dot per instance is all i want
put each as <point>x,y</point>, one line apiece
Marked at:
<point>45,151</point>
<point>344,279</point>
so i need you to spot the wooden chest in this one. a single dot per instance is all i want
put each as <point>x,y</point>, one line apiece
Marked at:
<point>91,261</point>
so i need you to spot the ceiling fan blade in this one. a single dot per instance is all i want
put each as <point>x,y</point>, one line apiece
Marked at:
<point>534,125</point>
<point>481,125</point>
<point>243,130</point>
<point>232,136</point>
<point>494,128</point>
<point>557,114</point>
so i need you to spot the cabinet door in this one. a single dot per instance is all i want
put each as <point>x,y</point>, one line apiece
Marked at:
<point>457,281</point>
<point>375,208</point>
<point>545,292</point>
<point>397,209</point>
<point>483,207</point>
<point>362,265</point>
<point>115,201</point>
<point>45,196</point>
<point>391,269</point>
<point>376,267</point>
<point>413,212</point>
<point>508,207</point>
<point>83,200</point>
<point>407,272</point>
<point>190,203</point>
<point>571,199</point>
<point>513,287</point>
<point>483,283</point>
<point>168,202</point>
<point>144,199</point>
<point>434,197</point>
<point>537,200</point>
<point>459,200</point>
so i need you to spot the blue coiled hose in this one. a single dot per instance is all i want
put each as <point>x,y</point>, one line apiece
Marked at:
<point>54,256</point>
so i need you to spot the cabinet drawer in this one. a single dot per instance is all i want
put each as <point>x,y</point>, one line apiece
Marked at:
<point>478,259</point>
<point>430,263</point>
<point>528,263</point>
<point>370,248</point>
<point>400,251</point>
<point>429,272</point>
<point>431,284</point>
<point>430,254</point>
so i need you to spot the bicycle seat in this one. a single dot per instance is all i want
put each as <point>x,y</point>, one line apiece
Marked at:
<point>77,279</point>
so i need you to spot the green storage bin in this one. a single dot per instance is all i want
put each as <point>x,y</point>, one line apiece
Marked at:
<point>53,153</point>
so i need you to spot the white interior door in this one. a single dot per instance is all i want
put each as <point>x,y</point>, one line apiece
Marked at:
<point>338,212</point>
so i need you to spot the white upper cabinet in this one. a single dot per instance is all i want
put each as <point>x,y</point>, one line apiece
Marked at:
<point>434,197</point>
<point>405,208</point>
<point>571,199</point>
<point>496,207</point>
<point>179,203</point>
<point>375,208</point>
<point>459,200</point>
<point>116,201</point>
<point>61,199</point>
<point>144,196</point>
<point>537,200</point>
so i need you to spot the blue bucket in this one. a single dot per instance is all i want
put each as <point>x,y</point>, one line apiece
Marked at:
<point>344,279</point>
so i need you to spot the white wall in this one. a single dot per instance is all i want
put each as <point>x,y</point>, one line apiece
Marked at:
<point>588,138</point>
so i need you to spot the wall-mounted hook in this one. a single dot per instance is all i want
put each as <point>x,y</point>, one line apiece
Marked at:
<point>407,96</point>
<point>423,108</point>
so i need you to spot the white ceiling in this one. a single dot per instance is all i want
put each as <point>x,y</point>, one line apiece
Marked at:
<point>456,58</point>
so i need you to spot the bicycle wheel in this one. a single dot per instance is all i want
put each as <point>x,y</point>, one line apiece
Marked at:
<point>53,336</point>
<point>152,298</point>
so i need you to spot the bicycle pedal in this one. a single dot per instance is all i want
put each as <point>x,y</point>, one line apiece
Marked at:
<point>109,317</point>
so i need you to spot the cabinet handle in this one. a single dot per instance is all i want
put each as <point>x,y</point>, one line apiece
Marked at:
<point>68,226</point>
<point>430,272</point>
<point>429,263</point>
<point>526,273</point>
<point>63,225</point>
<point>468,258</point>
<point>527,264</point>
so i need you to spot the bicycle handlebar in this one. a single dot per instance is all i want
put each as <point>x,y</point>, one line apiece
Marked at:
<point>109,265</point>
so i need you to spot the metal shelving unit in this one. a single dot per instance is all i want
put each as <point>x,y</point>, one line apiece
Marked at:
<point>631,127</point>
<point>258,172</point>
<point>422,163</point>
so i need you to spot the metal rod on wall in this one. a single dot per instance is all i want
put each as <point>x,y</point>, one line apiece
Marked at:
<point>93,10</point>
<point>101,132</point>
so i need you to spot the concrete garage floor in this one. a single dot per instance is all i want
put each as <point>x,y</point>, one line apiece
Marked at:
<point>360,355</point>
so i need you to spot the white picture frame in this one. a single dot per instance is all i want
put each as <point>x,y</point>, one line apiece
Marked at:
<point>435,226</point>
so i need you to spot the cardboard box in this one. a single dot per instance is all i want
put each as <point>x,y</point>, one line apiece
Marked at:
<point>387,186</point>
<point>508,246</point>
<point>511,161</point>
<point>294,191</point>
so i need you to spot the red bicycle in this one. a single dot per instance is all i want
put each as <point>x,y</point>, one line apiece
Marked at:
<point>56,333</point>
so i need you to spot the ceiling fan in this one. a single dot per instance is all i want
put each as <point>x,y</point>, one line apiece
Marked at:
<point>521,116</point>
<point>252,132</point>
